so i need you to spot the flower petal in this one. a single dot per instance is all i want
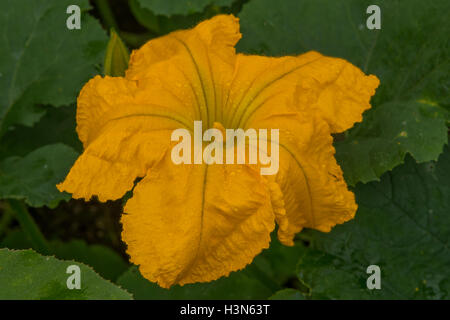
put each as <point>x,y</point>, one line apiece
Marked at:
<point>314,193</point>
<point>218,34</point>
<point>332,87</point>
<point>125,123</point>
<point>196,223</point>
<point>123,135</point>
<point>259,80</point>
<point>194,63</point>
<point>104,101</point>
<point>338,90</point>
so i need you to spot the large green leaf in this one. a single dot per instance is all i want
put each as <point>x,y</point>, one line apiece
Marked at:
<point>410,55</point>
<point>402,225</point>
<point>173,7</point>
<point>239,285</point>
<point>331,277</point>
<point>105,261</point>
<point>42,62</point>
<point>25,274</point>
<point>34,177</point>
<point>388,133</point>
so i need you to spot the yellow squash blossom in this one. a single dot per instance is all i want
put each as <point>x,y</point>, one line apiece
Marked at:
<point>196,222</point>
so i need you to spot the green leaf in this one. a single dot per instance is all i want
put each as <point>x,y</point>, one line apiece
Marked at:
<point>239,285</point>
<point>330,277</point>
<point>105,261</point>
<point>42,62</point>
<point>173,7</point>
<point>144,16</point>
<point>162,24</point>
<point>117,56</point>
<point>288,294</point>
<point>411,65</point>
<point>34,177</point>
<point>57,125</point>
<point>27,275</point>
<point>402,225</point>
<point>387,134</point>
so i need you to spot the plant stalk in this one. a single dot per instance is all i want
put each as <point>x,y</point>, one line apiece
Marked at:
<point>29,226</point>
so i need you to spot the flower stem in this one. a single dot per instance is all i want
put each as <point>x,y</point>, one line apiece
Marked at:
<point>29,226</point>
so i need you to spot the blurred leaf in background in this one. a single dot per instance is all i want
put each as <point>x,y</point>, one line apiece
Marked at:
<point>163,16</point>
<point>42,62</point>
<point>174,7</point>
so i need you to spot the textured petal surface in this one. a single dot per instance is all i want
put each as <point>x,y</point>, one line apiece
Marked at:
<point>196,64</point>
<point>123,134</point>
<point>312,190</point>
<point>196,223</point>
<point>103,101</point>
<point>307,98</point>
<point>125,123</point>
<point>335,89</point>
<point>259,81</point>
<point>338,90</point>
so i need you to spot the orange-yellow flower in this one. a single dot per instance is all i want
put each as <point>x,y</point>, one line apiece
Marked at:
<point>196,222</point>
